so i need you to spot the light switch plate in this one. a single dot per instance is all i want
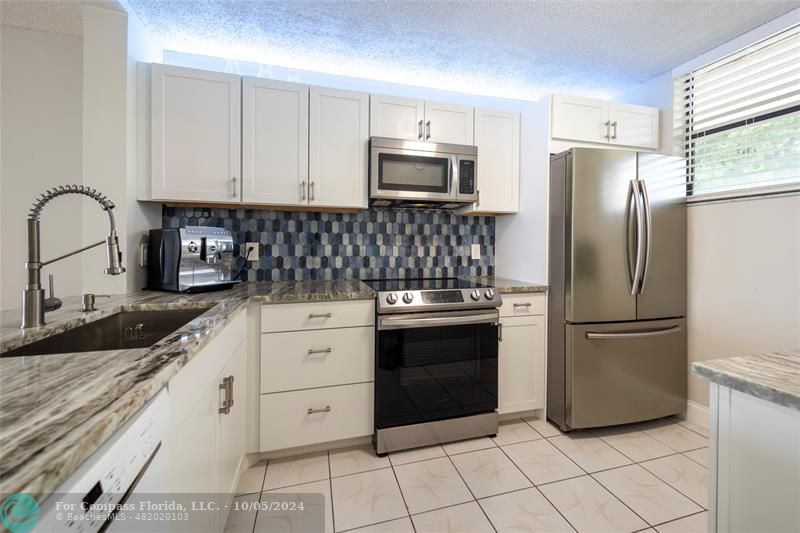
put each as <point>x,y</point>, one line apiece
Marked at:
<point>255,254</point>
<point>476,251</point>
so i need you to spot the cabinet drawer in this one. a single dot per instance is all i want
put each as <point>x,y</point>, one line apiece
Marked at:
<point>523,304</point>
<point>319,358</point>
<point>345,412</point>
<point>317,315</point>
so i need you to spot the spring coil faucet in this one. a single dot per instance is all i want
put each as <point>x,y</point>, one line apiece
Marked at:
<point>34,304</point>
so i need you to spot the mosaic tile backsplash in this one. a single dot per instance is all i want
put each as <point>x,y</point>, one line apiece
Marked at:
<point>375,243</point>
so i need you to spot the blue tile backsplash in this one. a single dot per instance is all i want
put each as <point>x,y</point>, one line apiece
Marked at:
<point>375,243</point>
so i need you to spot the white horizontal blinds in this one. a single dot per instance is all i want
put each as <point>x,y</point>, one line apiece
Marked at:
<point>739,119</point>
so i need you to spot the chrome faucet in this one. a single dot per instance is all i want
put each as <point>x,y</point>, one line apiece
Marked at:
<point>34,304</point>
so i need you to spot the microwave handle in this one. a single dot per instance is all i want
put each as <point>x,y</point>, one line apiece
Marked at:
<point>454,175</point>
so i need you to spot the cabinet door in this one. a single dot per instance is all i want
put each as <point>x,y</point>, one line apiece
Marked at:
<point>275,142</point>
<point>497,139</point>
<point>194,456</point>
<point>579,119</point>
<point>634,125</point>
<point>521,378</point>
<point>231,430</point>
<point>399,118</point>
<point>338,137</point>
<point>195,135</point>
<point>449,123</point>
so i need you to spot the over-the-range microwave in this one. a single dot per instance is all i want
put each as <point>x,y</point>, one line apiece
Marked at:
<point>421,174</point>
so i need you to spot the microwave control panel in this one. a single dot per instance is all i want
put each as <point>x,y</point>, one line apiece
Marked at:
<point>466,177</point>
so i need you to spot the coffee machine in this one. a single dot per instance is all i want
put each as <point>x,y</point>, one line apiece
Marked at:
<point>190,259</point>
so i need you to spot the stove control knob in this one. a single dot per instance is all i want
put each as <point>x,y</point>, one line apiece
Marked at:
<point>475,295</point>
<point>391,298</point>
<point>488,294</point>
<point>192,247</point>
<point>408,297</point>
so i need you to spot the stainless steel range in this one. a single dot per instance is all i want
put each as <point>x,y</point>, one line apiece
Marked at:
<point>436,345</point>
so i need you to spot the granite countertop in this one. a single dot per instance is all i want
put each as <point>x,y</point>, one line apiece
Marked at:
<point>56,410</point>
<point>774,376</point>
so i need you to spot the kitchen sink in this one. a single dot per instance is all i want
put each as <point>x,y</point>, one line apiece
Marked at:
<point>123,330</point>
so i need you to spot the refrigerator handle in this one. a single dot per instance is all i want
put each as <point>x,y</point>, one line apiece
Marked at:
<point>628,267</point>
<point>648,221</point>
<point>640,251</point>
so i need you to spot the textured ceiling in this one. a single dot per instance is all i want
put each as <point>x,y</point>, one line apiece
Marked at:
<point>515,49</point>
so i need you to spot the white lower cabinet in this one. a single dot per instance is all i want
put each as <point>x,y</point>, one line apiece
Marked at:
<point>208,445</point>
<point>521,354</point>
<point>317,373</point>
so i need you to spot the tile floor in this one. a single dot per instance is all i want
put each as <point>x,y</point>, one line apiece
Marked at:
<point>642,477</point>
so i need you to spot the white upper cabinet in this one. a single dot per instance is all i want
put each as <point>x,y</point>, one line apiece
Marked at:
<point>274,142</point>
<point>449,123</point>
<point>338,138</point>
<point>579,119</point>
<point>418,120</point>
<point>195,135</point>
<point>634,125</point>
<point>601,122</point>
<point>497,139</point>
<point>395,117</point>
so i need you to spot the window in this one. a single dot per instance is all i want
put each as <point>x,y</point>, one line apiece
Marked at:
<point>739,121</point>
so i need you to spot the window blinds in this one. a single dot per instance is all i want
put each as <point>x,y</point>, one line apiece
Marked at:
<point>739,120</point>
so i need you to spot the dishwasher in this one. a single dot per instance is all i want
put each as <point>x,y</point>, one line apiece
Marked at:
<point>134,461</point>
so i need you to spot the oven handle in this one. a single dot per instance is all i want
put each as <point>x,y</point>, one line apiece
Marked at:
<point>421,321</point>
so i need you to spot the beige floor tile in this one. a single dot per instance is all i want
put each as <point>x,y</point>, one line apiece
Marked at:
<point>683,474</point>
<point>252,480</point>
<point>524,510</point>
<point>590,508</point>
<point>469,445</point>
<point>515,431</point>
<point>355,460</point>
<point>242,515</point>
<point>366,498</point>
<point>542,462</point>
<point>543,427</point>
<point>697,523</point>
<point>636,445</point>
<point>677,437</point>
<point>466,518</point>
<point>297,521</point>
<point>401,525</point>
<point>418,454</point>
<point>431,484</point>
<point>591,453</point>
<point>698,456</point>
<point>489,472</point>
<point>296,470</point>
<point>694,427</point>
<point>648,496</point>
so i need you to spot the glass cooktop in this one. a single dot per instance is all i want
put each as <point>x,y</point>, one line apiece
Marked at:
<point>421,284</point>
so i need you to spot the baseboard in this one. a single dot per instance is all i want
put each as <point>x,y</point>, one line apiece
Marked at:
<point>696,414</point>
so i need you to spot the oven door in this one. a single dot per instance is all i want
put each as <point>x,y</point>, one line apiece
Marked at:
<point>404,174</point>
<point>435,366</point>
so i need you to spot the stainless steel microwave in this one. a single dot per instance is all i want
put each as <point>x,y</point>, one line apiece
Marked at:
<point>422,174</point>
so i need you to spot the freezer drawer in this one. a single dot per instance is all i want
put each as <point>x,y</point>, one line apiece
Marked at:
<point>624,372</point>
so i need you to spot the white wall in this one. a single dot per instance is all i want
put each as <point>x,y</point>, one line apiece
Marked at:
<point>41,148</point>
<point>743,256</point>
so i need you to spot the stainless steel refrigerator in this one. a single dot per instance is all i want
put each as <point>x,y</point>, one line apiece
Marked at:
<point>617,274</point>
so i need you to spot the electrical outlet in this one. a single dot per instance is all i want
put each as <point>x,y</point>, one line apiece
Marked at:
<point>254,255</point>
<point>476,251</point>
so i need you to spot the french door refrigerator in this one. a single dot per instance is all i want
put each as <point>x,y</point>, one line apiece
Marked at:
<point>617,274</point>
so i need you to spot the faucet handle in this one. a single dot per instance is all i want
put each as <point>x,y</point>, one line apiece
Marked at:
<point>51,303</point>
<point>87,301</point>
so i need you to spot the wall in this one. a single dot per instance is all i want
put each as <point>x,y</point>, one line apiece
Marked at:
<point>375,243</point>
<point>743,256</point>
<point>41,147</point>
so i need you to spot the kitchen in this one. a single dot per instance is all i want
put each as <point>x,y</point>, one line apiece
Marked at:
<point>431,296</point>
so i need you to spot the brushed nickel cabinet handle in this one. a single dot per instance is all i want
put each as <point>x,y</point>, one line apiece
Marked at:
<point>311,189</point>
<point>614,125</point>
<point>319,315</point>
<point>227,388</point>
<point>302,190</point>
<point>428,130</point>
<point>500,332</point>
<point>419,129</point>
<point>235,189</point>
<point>526,304</point>
<point>326,409</point>
<point>311,351</point>
<point>607,124</point>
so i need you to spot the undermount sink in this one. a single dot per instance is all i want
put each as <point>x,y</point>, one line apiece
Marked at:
<point>123,330</point>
